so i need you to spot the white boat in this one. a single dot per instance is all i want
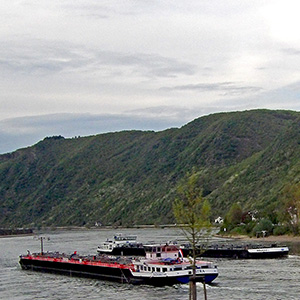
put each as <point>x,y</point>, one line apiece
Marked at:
<point>124,245</point>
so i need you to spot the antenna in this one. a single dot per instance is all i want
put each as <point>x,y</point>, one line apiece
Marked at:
<point>42,238</point>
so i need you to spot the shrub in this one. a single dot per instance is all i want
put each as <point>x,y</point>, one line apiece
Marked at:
<point>263,225</point>
<point>239,230</point>
<point>281,230</point>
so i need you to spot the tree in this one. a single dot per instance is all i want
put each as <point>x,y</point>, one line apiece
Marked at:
<point>235,214</point>
<point>233,217</point>
<point>192,212</point>
<point>291,207</point>
<point>263,225</point>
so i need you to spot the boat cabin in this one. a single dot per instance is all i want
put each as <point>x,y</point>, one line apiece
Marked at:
<point>121,237</point>
<point>119,240</point>
<point>161,251</point>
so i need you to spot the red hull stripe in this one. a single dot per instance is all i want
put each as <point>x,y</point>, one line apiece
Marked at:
<point>80,262</point>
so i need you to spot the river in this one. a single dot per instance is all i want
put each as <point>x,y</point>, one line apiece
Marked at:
<point>271,279</point>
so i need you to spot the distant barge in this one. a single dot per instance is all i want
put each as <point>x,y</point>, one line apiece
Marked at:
<point>242,252</point>
<point>163,265</point>
<point>18,231</point>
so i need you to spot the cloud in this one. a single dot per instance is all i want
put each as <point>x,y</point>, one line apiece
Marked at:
<point>107,9</point>
<point>146,64</point>
<point>39,57</point>
<point>42,57</point>
<point>291,51</point>
<point>224,88</point>
<point>285,97</point>
<point>158,62</point>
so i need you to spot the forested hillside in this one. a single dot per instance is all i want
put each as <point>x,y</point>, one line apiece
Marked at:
<point>130,177</point>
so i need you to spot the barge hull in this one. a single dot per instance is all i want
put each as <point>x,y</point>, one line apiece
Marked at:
<point>79,270</point>
<point>124,251</point>
<point>117,274</point>
<point>246,254</point>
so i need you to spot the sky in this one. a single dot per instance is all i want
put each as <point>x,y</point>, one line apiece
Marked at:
<point>85,67</point>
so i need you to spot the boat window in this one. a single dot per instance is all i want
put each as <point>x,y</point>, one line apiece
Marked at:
<point>153,269</point>
<point>158,249</point>
<point>157,269</point>
<point>158,255</point>
<point>149,269</point>
<point>164,269</point>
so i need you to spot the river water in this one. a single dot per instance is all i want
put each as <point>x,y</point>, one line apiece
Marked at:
<point>269,279</point>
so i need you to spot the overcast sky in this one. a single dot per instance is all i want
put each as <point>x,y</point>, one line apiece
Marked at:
<point>82,67</point>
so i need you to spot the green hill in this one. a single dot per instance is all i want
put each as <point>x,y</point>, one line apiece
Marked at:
<point>130,177</point>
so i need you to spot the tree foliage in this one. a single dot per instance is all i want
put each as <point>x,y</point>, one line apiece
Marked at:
<point>263,225</point>
<point>234,215</point>
<point>192,213</point>
<point>290,211</point>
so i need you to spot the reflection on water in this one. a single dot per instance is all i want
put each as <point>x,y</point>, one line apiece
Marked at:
<point>238,279</point>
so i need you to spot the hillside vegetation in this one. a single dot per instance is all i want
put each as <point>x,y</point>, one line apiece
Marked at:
<point>129,178</point>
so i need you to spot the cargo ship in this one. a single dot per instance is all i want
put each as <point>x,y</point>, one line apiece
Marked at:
<point>162,265</point>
